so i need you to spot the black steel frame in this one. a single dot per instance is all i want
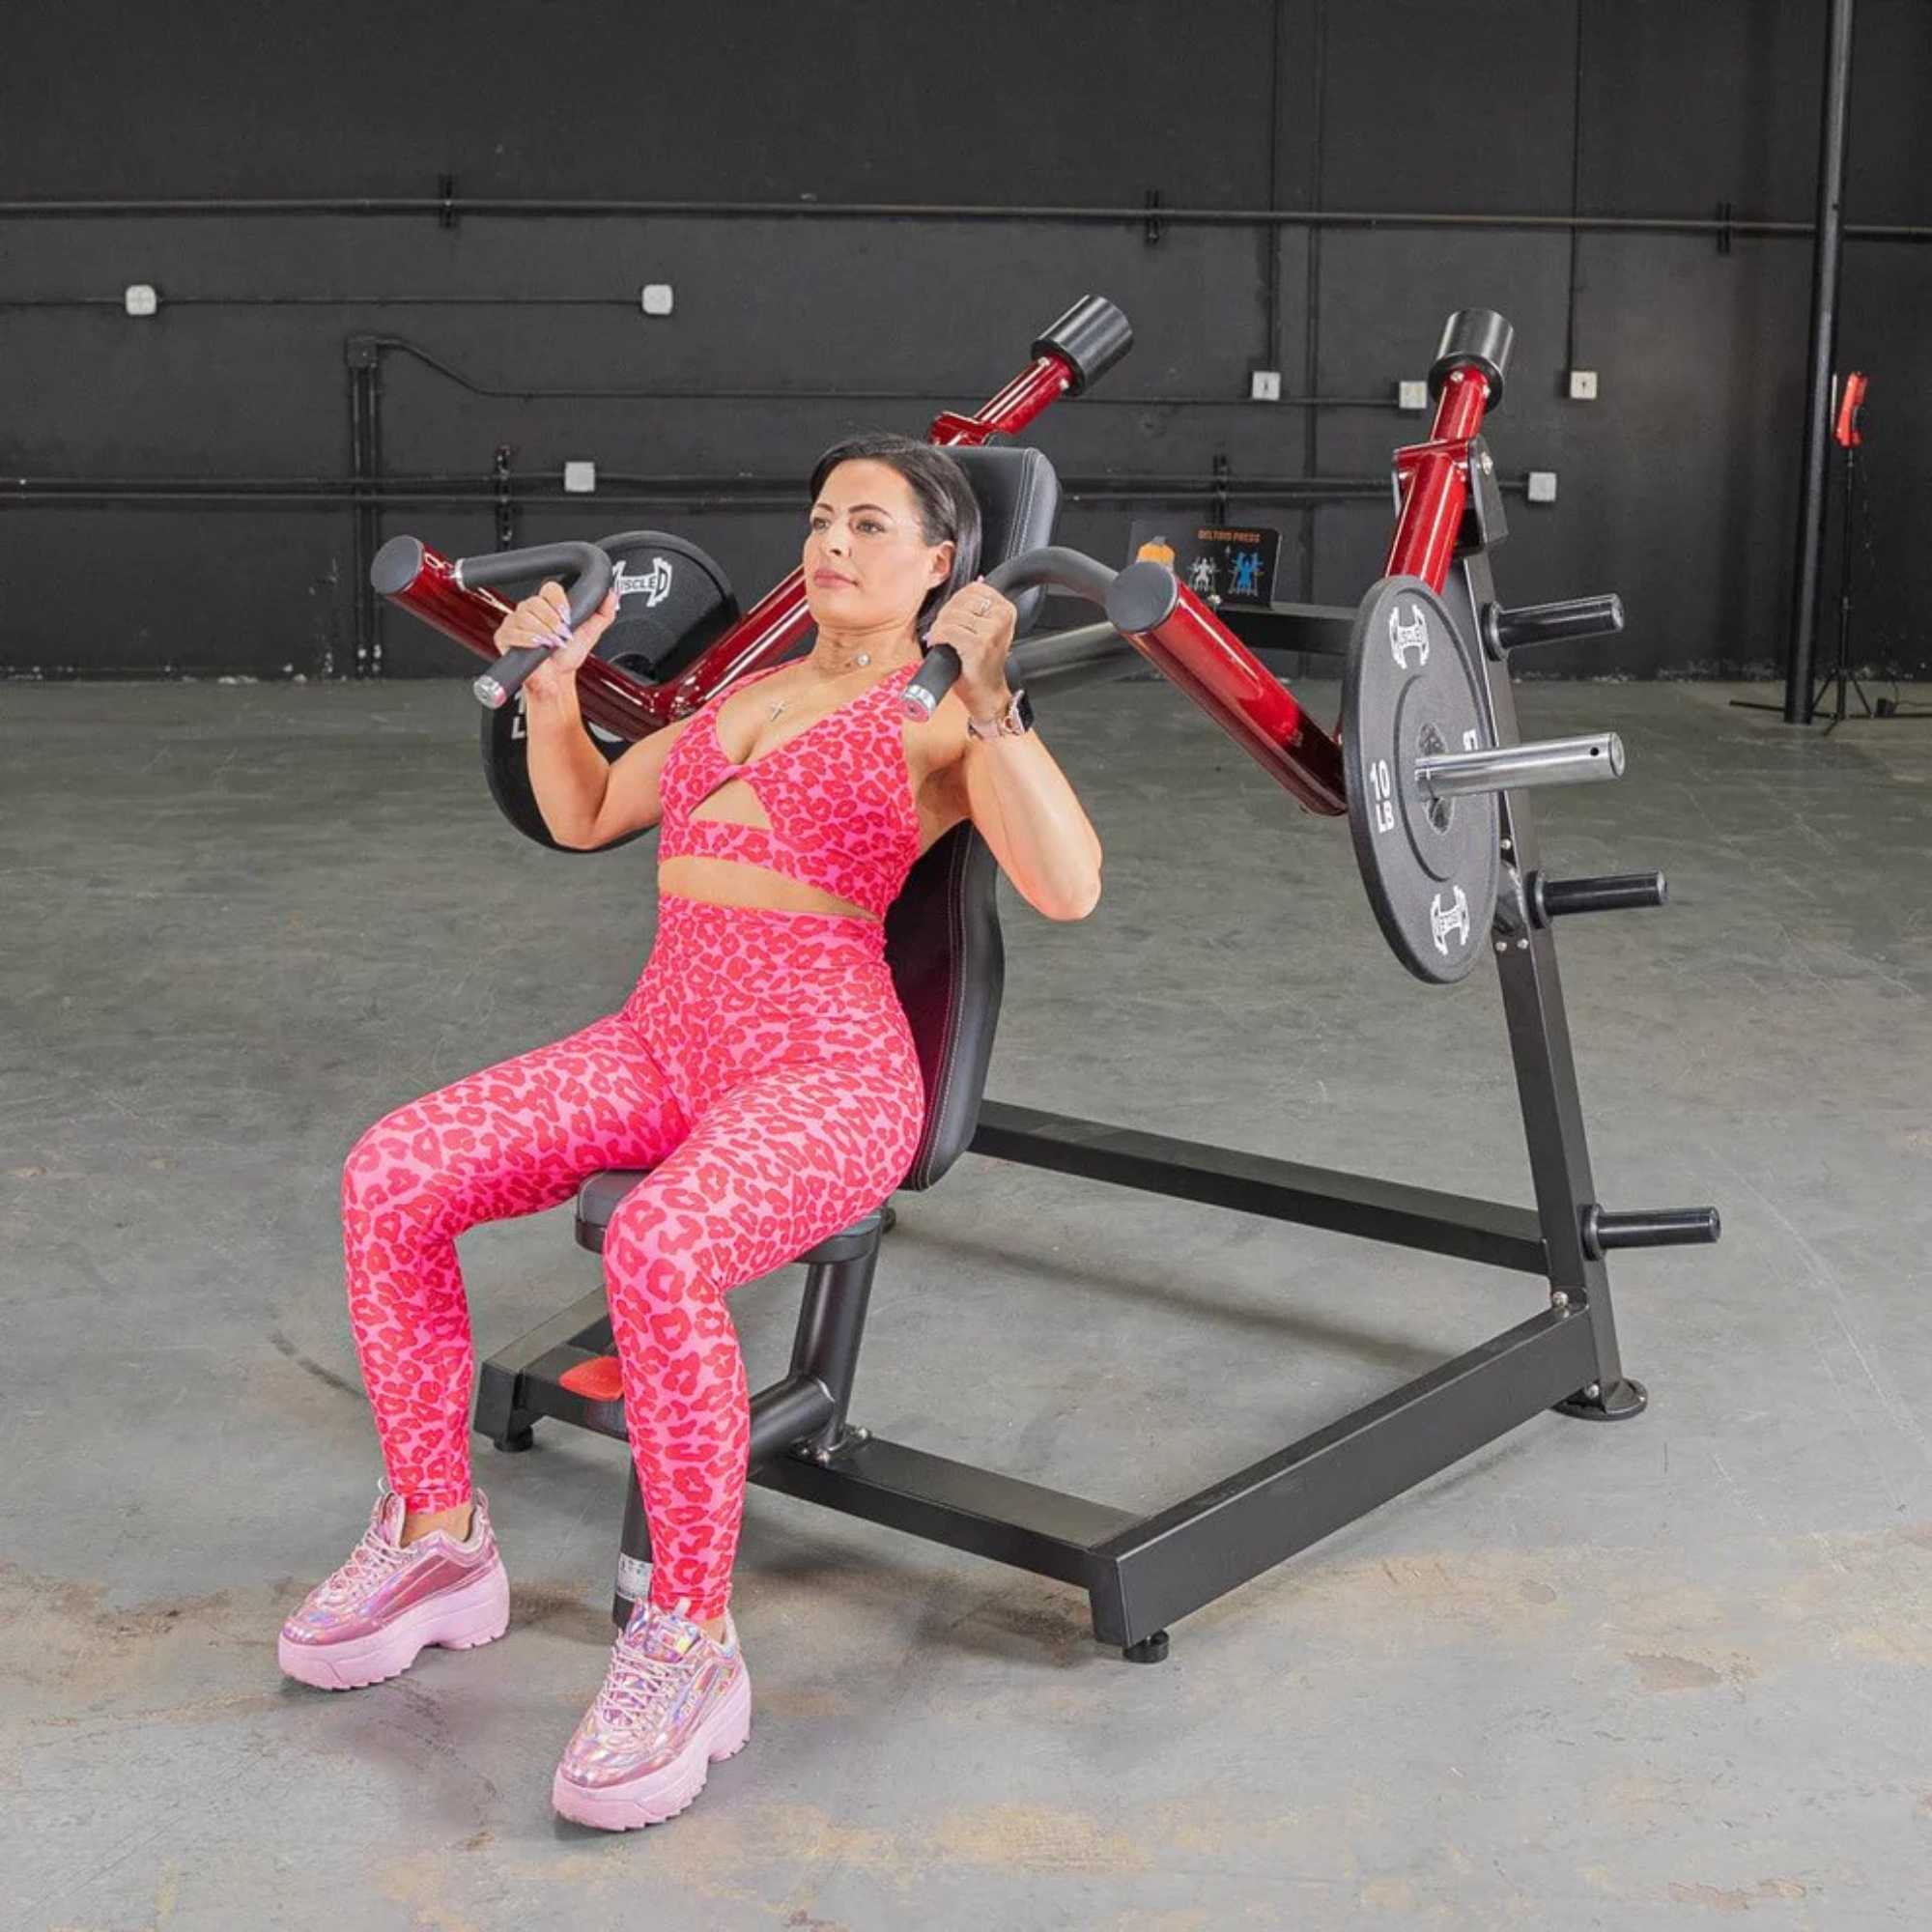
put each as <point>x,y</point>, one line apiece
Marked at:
<point>1143,1571</point>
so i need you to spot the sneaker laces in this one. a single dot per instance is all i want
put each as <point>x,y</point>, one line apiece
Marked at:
<point>641,1680</point>
<point>370,1561</point>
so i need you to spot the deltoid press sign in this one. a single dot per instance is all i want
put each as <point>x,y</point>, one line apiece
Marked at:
<point>1220,564</point>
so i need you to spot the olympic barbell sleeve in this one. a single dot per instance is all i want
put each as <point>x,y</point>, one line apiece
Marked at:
<point>1647,1228</point>
<point>1090,338</point>
<point>1560,623</point>
<point>1555,761</point>
<point>1555,898</point>
<point>1474,338</point>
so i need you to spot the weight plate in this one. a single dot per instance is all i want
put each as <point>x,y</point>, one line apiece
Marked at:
<point>1431,865</point>
<point>673,602</point>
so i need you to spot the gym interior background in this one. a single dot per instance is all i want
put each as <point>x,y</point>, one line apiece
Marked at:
<point>1678,482</point>
<point>1625,1676</point>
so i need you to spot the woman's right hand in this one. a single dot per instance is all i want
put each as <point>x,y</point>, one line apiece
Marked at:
<point>540,621</point>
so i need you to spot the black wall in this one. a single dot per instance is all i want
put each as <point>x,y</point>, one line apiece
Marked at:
<point>1677,487</point>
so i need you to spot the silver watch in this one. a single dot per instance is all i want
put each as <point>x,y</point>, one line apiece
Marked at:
<point>1014,721</point>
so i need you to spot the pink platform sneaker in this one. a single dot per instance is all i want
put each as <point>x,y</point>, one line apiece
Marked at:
<point>368,1620</point>
<point>673,1703</point>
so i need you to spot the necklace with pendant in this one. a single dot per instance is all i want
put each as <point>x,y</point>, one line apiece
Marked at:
<point>773,710</point>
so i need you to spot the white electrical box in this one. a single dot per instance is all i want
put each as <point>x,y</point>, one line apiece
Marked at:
<point>580,479</point>
<point>1583,385</point>
<point>1412,395</point>
<point>657,298</point>
<point>141,298</point>
<point>1543,486</point>
<point>1264,385</point>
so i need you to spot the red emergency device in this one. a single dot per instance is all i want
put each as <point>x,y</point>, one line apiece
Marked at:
<point>1850,406</point>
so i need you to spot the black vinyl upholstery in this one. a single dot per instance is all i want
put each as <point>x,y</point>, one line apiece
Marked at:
<point>943,931</point>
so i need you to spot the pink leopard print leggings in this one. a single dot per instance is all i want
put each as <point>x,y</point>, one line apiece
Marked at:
<point>762,1070</point>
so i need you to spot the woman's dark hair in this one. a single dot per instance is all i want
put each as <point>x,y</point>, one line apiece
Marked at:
<point>947,504</point>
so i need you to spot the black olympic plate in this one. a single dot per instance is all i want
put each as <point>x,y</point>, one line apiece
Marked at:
<point>1411,688</point>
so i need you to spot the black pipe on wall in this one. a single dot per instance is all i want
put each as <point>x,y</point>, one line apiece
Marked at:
<point>929,399</point>
<point>534,208</point>
<point>684,493</point>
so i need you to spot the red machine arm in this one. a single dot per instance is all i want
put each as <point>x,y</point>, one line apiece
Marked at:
<point>1079,348</point>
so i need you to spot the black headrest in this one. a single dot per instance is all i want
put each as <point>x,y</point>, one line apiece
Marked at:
<point>1019,497</point>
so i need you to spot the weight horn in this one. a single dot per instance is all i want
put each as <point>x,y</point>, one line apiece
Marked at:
<point>1555,761</point>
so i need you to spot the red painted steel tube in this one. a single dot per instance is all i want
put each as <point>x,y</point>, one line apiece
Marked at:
<point>1044,381</point>
<point>1434,479</point>
<point>1193,647</point>
<point>632,709</point>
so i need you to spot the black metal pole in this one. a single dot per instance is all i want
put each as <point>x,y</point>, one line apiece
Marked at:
<point>1846,540</point>
<point>363,356</point>
<point>372,512</point>
<point>1835,124</point>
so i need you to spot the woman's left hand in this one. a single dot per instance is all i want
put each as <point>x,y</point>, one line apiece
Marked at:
<point>977,622</point>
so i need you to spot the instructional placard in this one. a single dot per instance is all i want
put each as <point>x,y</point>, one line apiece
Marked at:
<point>1220,564</point>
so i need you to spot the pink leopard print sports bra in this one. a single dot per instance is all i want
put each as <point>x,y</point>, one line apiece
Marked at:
<point>839,801</point>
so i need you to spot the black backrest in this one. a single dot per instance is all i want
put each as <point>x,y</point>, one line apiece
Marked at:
<point>943,931</point>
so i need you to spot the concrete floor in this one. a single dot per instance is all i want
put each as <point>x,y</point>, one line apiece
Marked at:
<point>1662,1674</point>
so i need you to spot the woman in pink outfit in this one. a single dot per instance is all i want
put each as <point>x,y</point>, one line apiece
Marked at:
<point>761,1069</point>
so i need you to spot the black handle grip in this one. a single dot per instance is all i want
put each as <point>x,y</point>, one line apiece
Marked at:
<point>1091,337</point>
<point>1065,569</point>
<point>584,568</point>
<point>1628,891</point>
<point>1555,898</point>
<point>1551,623</point>
<point>1648,1227</point>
